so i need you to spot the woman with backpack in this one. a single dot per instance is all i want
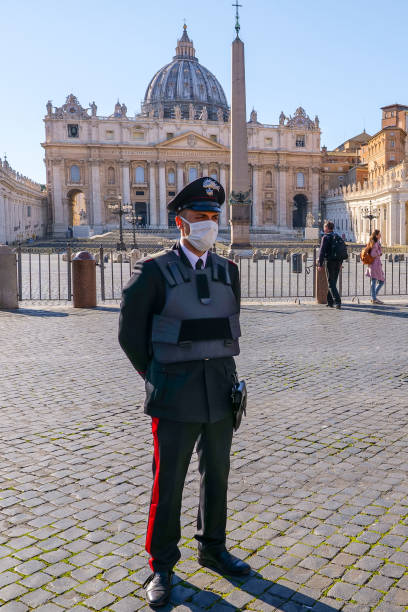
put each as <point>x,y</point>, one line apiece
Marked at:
<point>374,269</point>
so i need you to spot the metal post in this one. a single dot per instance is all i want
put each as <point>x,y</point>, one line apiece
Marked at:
<point>102,267</point>
<point>69,255</point>
<point>19,268</point>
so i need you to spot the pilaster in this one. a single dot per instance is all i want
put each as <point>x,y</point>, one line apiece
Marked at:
<point>403,221</point>
<point>180,176</point>
<point>162,195</point>
<point>152,194</point>
<point>59,228</point>
<point>96,196</point>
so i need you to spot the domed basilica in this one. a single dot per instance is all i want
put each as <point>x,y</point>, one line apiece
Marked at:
<point>182,132</point>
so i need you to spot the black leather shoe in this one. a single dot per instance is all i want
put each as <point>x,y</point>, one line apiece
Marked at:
<point>223,562</point>
<point>158,587</point>
<point>338,306</point>
<point>329,305</point>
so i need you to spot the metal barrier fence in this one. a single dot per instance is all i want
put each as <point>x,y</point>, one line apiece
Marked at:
<point>46,274</point>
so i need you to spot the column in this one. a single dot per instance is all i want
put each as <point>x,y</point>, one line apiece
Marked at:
<point>162,195</point>
<point>96,197</point>
<point>255,196</point>
<point>180,177</point>
<point>224,207</point>
<point>315,192</point>
<point>392,221</point>
<point>125,183</point>
<point>152,194</point>
<point>403,222</point>
<point>59,228</point>
<point>282,196</point>
<point>2,220</point>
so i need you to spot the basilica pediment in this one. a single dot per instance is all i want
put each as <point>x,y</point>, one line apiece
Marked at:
<point>191,140</point>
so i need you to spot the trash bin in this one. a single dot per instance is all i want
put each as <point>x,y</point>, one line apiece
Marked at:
<point>297,263</point>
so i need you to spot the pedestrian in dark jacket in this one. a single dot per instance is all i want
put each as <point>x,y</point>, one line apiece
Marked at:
<point>333,266</point>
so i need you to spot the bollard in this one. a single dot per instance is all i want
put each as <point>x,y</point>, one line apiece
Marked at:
<point>8,278</point>
<point>84,280</point>
<point>322,286</point>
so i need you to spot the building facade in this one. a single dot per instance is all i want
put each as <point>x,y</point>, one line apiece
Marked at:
<point>23,206</point>
<point>375,184</point>
<point>182,132</point>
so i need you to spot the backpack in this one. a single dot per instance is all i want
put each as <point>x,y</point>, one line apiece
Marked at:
<point>365,256</point>
<point>338,249</point>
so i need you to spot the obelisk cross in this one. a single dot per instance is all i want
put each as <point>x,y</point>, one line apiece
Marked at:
<point>237,26</point>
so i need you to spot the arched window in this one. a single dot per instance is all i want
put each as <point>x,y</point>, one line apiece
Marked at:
<point>111,176</point>
<point>268,179</point>
<point>75,174</point>
<point>171,177</point>
<point>192,174</point>
<point>300,179</point>
<point>139,174</point>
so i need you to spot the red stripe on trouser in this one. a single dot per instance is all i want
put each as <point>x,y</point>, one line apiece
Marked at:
<point>155,492</point>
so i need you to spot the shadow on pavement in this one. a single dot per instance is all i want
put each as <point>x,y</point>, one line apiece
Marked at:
<point>255,585</point>
<point>34,312</point>
<point>386,310</point>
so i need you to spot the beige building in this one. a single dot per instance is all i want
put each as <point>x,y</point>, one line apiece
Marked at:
<point>376,183</point>
<point>23,206</point>
<point>182,132</point>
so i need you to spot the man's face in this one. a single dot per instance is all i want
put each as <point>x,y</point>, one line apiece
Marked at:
<point>326,230</point>
<point>194,216</point>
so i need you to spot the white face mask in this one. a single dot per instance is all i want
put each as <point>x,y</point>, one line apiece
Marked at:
<point>202,234</point>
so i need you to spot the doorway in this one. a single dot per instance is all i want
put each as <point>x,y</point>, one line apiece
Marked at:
<point>299,210</point>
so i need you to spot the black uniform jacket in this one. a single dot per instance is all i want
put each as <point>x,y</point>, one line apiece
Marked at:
<point>190,391</point>
<point>325,247</point>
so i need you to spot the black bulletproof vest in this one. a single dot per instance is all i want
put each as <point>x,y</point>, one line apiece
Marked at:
<point>200,318</point>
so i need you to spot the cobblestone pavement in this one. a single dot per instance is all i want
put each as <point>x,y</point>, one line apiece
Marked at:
<point>318,499</point>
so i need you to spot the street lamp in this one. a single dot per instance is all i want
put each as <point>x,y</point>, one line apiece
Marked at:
<point>133,219</point>
<point>118,208</point>
<point>370,213</point>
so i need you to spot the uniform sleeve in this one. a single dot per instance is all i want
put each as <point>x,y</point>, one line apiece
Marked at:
<point>141,298</point>
<point>235,282</point>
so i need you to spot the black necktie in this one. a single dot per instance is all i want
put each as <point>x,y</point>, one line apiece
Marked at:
<point>199,264</point>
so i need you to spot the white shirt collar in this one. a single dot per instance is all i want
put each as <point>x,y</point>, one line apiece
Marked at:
<point>191,257</point>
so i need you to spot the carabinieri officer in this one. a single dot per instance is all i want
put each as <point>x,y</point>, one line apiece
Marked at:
<point>179,326</point>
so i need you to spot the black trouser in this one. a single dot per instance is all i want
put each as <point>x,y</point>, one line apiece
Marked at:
<point>173,446</point>
<point>333,269</point>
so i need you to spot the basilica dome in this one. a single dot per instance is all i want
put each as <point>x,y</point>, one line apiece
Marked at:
<point>184,89</point>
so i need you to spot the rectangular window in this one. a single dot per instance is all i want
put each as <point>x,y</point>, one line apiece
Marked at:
<point>73,130</point>
<point>300,140</point>
<point>169,135</point>
<point>139,192</point>
<point>171,193</point>
<point>268,142</point>
<point>137,134</point>
<point>392,157</point>
<point>28,211</point>
<point>213,137</point>
<point>392,143</point>
<point>109,134</point>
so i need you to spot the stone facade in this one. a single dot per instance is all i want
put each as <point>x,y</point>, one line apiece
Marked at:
<point>23,206</point>
<point>376,179</point>
<point>146,159</point>
<point>388,197</point>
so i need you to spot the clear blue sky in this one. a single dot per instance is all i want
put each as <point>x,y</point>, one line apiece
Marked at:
<point>339,60</point>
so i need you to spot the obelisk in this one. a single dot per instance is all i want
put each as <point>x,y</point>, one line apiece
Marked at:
<point>239,181</point>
